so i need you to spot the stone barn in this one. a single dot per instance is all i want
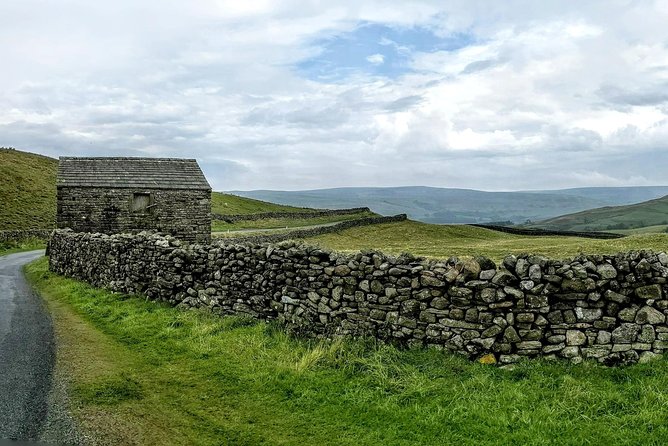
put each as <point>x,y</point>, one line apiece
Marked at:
<point>118,195</point>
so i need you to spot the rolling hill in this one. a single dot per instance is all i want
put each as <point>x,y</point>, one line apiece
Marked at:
<point>227,204</point>
<point>614,195</point>
<point>441,205</point>
<point>28,193</point>
<point>652,213</point>
<point>27,190</point>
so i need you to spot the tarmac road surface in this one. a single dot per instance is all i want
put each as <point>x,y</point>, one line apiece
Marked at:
<point>27,358</point>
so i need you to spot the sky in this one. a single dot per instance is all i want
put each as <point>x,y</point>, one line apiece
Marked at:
<point>290,95</point>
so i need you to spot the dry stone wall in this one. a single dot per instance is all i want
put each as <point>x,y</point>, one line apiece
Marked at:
<point>548,232</point>
<point>611,309</point>
<point>232,218</point>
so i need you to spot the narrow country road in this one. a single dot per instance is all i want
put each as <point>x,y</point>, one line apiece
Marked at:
<point>27,353</point>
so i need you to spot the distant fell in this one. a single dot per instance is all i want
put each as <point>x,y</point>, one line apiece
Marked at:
<point>448,205</point>
<point>611,218</point>
<point>613,194</point>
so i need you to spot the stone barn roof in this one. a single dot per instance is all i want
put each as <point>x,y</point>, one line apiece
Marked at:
<point>136,173</point>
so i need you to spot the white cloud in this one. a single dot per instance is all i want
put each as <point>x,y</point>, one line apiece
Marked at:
<point>536,93</point>
<point>376,59</point>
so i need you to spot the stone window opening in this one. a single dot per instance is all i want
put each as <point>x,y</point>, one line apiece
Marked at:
<point>141,202</point>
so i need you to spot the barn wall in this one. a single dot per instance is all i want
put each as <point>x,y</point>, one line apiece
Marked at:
<point>185,214</point>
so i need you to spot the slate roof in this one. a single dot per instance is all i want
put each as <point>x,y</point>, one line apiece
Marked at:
<point>135,173</point>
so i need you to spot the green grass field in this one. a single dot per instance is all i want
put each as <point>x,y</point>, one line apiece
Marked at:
<point>443,241</point>
<point>27,190</point>
<point>613,218</point>
<point>145,373</point>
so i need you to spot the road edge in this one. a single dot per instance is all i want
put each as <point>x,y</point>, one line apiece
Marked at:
<point>60,426</point>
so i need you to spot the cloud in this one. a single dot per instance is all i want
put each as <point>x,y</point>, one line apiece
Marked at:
<point>404,103</point>
<point>376,59</point>
<point>297,94</point>
<point>635,96</point>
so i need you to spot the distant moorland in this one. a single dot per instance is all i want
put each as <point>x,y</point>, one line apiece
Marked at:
<point>439,205</point>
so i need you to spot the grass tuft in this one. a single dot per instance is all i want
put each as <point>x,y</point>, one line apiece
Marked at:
<point>109,391</point>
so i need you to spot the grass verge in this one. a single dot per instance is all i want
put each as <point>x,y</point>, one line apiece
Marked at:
<point>10,247</point>
<point>145,373</point>
<point>443,241</point>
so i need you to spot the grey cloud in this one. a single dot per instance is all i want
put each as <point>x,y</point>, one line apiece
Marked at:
<point>45,138</point>
<point>404,103</point>
<point>223,174</point>
<point>146,114</point>
<point>479,65</point>
<point>221,88</point>
<point>309,117</point>
<point>32,104</point>
<point>563,140</point>
<point>654,95</point>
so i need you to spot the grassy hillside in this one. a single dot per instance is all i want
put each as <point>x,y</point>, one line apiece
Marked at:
<point>222,203</point>
<point>461,240</point>
<point>144,373</point>
<point>28,193</point>
<point>27,190</point>
<point>640,215</point>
